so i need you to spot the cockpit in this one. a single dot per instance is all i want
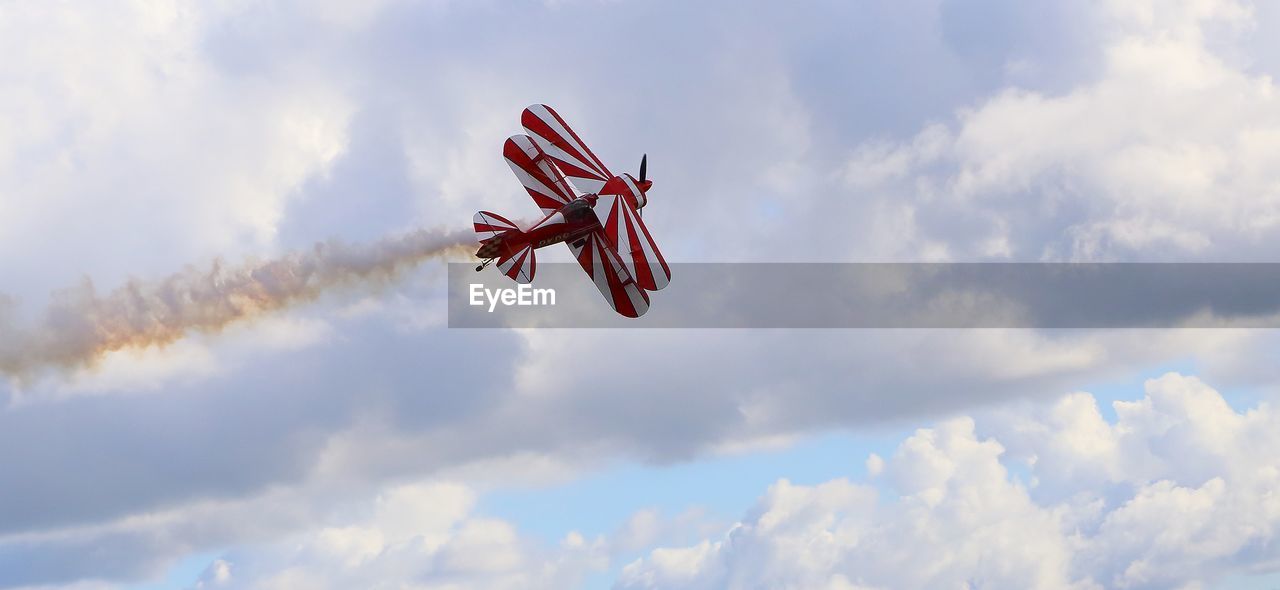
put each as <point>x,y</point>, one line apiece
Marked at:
<point>576,210</point>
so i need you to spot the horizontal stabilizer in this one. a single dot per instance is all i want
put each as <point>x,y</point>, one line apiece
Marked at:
<point>490,225</point>
<point>519,265</point>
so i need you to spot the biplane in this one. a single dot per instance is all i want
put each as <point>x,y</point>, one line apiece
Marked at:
<point>594,211</point>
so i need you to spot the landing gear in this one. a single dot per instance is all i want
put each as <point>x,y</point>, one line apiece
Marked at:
<point>487,262</point>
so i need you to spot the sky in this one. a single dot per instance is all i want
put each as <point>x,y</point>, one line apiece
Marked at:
<point>223,338</point>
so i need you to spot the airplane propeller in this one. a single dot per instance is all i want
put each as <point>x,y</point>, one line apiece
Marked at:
<point>644,166</point>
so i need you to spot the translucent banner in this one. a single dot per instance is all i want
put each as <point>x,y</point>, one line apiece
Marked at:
<point>914,295</point>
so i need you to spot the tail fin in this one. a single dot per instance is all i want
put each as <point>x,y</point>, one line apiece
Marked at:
<point>520,264</point>
<point>499,238</point>
<point>491,225</point>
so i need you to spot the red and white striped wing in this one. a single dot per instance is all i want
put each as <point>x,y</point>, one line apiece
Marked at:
<point>628,234</point>
<point>535,171</point>
<point>561,144</point>
<point>606,270</point>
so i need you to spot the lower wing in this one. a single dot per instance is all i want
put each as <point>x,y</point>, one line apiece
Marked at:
<point>602,264</point>
<point>629,236</point>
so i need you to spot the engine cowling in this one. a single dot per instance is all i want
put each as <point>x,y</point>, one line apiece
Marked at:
<point>627,187</point>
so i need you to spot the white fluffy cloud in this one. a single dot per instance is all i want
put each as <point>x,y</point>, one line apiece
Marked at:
<point>421,536</point>
<point>1165,154</point>
<point>140,137</point>
<point>122,134</point>
<point>1176,492</point>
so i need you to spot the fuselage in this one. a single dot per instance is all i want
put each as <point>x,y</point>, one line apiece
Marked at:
<point>571,222</point>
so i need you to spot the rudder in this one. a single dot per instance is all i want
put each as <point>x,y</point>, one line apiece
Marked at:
<point>520,265</point>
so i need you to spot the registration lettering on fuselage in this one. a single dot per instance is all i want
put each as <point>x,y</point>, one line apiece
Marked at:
<point>553,239</point>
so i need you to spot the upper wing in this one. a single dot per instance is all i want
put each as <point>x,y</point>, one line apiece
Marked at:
<point>570,153</point>
<point>600,261</point>
<point>628,234</point>
<point>539,176</point>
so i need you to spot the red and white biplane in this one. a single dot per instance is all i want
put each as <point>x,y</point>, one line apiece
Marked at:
<point>602,225</point>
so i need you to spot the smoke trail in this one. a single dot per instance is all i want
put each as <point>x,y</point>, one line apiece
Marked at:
<point>80,326</point>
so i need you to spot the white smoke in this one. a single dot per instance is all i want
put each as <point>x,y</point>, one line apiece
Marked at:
<point>80,325</point>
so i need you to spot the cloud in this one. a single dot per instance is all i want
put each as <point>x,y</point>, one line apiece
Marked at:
<point>180,134</point>
<point>423,535</point>
<point>231,439</point>
<point>996,501</point>
<point>1175,492</point>
<point>1162,156</point>
<point>128,151</point>
<point>80,327</point>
